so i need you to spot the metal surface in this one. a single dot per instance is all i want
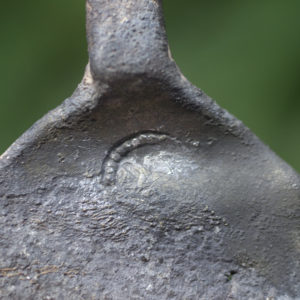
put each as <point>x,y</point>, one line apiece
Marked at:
<point>140,187</point>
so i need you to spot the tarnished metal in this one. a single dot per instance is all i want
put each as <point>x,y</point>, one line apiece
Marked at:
<point>139,186</point>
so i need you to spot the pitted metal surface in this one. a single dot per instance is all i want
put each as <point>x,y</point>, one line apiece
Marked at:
<point>140,187</point>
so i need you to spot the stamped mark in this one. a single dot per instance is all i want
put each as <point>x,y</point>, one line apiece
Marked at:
<point>119,151</point>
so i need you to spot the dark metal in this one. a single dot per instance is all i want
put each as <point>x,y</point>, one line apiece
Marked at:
<point>140,187</point>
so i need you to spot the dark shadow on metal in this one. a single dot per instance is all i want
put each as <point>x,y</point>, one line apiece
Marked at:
<point>140,187</point>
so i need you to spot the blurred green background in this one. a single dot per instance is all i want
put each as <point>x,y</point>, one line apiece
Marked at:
<point>244,54</point>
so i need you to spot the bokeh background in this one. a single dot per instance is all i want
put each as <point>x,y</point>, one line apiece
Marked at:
<point>244,54</point>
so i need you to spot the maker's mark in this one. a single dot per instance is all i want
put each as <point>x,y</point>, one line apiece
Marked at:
<point>119,151</point>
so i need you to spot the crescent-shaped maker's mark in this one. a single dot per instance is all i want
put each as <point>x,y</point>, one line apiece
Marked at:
<point>121,149</point>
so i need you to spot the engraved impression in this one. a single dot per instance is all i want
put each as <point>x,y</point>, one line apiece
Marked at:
<point>119,151</point>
